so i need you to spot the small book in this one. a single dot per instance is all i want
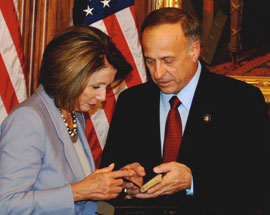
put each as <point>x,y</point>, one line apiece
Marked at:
<point>152,182</point>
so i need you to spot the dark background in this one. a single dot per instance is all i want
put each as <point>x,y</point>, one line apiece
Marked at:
<point>255,32</point>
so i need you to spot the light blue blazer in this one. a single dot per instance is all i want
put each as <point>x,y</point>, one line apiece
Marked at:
<point>38,161</point>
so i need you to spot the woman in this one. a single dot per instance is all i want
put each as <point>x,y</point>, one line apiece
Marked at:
<point>46,166</point>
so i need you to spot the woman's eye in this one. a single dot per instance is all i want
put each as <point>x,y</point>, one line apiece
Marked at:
<point>98,86</point>
<point>95,87</point>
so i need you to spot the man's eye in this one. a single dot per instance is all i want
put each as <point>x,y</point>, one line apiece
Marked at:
<point>168,61</point>
<point>149,61</point>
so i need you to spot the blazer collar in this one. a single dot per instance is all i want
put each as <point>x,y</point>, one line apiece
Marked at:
<point>69,150</point>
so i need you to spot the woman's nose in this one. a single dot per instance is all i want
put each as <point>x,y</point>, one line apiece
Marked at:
<point>102,94</point>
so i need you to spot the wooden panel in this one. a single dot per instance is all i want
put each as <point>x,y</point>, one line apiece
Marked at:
<point>59,16</point>
<point>38,40</point>
<point>142,9</point>
<point>41,20</point>
<point>26,19</point>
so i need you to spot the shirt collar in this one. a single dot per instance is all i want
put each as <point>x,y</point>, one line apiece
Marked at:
<point>186,94</point>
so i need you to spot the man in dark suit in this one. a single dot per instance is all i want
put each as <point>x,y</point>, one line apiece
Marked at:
<point>220,164</point>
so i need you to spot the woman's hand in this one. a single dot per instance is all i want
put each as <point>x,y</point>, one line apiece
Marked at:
<point>138,173</point>
<point>103,184</point>
<point>135,181</point>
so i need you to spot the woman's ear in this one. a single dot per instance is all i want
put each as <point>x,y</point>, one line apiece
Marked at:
<point>195,50</point>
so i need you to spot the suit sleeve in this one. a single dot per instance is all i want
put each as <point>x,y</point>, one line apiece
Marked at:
<point>22,148</point>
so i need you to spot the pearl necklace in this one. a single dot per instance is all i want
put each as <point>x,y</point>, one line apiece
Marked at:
<point>72,133</point>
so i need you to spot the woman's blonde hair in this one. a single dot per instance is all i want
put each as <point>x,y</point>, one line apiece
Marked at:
<point>70,59</point>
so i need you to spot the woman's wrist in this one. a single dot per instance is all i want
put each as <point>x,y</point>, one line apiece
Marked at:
<point>77,195</point>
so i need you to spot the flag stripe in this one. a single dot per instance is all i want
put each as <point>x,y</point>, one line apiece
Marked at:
<point>10,22</point>
<point>133,12</point>
<point>100,25</point>
<point>3,112</point>
<point>11,55</point>
<point>93,140</point>
<point>109,104</point>
<point>7,92</point>
<point>100,123</point>
<point>115,32</point>
<point>12,86</point>
<point>129,29</point>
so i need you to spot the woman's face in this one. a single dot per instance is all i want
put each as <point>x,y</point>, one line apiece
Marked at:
<point>95,90</point>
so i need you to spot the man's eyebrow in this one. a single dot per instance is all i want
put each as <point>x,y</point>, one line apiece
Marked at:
<point>148,58</point>
<point>167,57</point>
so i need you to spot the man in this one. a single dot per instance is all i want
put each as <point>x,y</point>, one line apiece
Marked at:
<point>219,164</point>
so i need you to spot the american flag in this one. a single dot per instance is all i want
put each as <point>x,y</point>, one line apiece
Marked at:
<point>117,19</point>
<point>12,76</point>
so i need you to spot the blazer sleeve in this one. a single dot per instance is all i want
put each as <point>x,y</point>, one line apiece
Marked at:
<point>22,147</point>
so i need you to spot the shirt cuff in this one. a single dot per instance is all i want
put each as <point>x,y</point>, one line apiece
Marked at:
<point>190,191</point>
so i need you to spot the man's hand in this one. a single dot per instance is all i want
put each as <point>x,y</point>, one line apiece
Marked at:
<point>176,177</point>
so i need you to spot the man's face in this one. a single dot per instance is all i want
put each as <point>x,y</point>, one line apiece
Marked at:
<point>171,60</point>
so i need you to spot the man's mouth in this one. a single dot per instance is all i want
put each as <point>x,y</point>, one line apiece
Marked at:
<point>164,83</point>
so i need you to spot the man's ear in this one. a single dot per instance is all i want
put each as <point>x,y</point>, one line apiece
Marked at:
<point>195,50</point>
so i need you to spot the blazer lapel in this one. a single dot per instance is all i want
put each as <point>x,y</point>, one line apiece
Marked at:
<point>69,150</point>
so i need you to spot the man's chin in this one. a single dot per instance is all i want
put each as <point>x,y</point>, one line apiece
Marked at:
<point>166,87</point>
<point>167,90</point>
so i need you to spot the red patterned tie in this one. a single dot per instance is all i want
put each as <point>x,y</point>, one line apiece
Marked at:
<point>173,132</point>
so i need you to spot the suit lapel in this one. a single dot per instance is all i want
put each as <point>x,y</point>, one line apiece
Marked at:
<point>153,101</point>
<point>197,119</point>
<point>69,150</point>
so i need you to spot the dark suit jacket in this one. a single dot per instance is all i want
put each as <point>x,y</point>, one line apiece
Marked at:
<point>225,153</point>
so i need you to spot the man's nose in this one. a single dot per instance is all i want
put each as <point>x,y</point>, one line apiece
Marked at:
<point>159,70</point>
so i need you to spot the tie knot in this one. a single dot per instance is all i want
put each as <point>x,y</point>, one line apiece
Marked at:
<point>175,102</point>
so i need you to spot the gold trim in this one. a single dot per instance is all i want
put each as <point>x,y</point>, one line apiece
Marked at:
<point>156,4</point>
<point>263,83</point>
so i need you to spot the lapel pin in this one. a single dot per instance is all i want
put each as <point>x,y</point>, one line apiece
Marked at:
<point>207,117</point>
